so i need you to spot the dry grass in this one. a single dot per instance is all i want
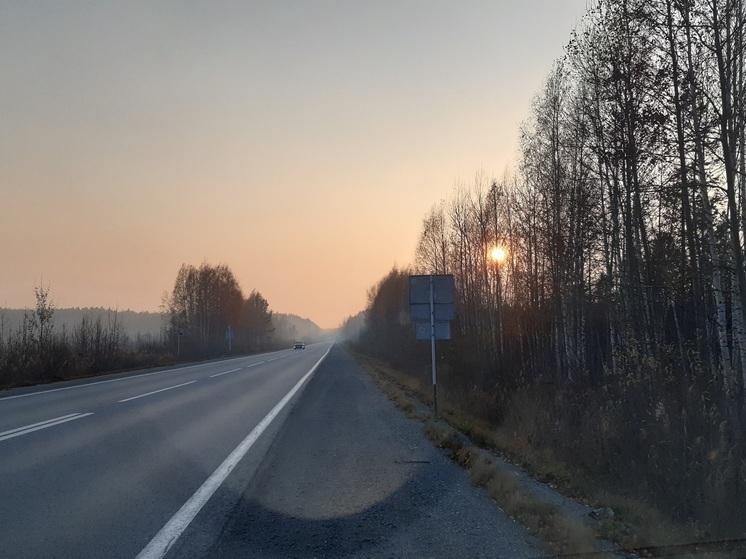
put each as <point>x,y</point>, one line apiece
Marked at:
<point>560,533</point>
<point>443,436</point>
<point>634,525</point>
<point>637,525</point>
<point>399,388</point>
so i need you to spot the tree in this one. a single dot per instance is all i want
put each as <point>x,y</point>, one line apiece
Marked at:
<point>620,313</point>
<point>389,332</point>
<point>42,319</point>
<point>256,322</point>
<point>203,303</point>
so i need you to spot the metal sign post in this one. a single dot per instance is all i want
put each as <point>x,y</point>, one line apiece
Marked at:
<point>431,299</point>
<point>432,346</point>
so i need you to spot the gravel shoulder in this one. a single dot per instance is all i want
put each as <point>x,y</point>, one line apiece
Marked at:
<point>348,475</point>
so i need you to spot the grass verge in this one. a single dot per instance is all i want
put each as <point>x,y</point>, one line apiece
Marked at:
<point>631,524</point>
<point>559,533</point>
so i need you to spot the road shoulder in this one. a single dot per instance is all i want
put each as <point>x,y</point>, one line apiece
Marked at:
<point>349,475</point>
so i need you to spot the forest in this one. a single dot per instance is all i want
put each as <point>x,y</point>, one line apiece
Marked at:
<point>206,315</point>
<point>601,284</point>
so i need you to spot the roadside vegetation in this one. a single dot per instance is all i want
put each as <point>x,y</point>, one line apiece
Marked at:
<point>205,316</point>
<point>600,330</point>
<point>34,351</point>
<point>630,523</point>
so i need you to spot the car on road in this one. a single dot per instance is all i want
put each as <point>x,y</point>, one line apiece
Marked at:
<point>299,344</point>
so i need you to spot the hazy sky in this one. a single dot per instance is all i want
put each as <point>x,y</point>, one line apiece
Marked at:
<point>300,143</point>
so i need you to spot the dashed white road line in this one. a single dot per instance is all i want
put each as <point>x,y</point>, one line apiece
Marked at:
<point>225,372</point>
<point>87,384</point>
<point>157,391</point>
<point>41,425</point>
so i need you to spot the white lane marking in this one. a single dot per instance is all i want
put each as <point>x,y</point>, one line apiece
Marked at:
<point>136,376</point>
<point>41,425</point>
<point>163,540</point>
<point>234,370</point>
<point>157,391</point>
<point>225,372</point>
<point>273,359</point>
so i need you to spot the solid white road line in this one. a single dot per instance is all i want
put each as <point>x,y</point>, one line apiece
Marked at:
<point>225,372</point>
<point>157,391</point>
<point>163,540</point>
<point>41,425</point>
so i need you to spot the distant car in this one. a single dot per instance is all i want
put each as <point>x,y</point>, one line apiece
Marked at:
<point>299,345</point>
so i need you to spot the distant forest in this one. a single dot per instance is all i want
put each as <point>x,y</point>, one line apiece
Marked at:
<point>149,325</point>
<point>133,322</point>
<point>206,316</point>
<point>601,288</point>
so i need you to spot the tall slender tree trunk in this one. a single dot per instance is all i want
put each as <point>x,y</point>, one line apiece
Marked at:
<point>727,65</point>
<point>690,246</point>
<point>716,265</point>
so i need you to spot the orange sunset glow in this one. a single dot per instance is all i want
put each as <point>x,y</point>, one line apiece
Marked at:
<point>300,144</point>
<point>498,254</point>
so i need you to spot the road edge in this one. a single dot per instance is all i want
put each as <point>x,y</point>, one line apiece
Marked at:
<point>162,542</point>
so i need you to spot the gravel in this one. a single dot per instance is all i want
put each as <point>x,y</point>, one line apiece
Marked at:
<point>348,475</point>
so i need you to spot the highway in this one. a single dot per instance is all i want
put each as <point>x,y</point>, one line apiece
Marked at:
<point>97,468</point>
<point>288,454</point>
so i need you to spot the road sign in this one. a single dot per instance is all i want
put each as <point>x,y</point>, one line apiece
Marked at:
<point>431,308</point>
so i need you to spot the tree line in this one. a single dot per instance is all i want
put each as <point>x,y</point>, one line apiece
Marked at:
<point>34,351</point>
<point>205,315</point>
<point>207,309</point>
<point>614,329</point>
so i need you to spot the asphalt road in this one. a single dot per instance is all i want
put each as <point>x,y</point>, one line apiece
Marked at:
<point>96,469</point>
<point>204,461</point>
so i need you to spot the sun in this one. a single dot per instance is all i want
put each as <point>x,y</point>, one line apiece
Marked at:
<point>498,253</point>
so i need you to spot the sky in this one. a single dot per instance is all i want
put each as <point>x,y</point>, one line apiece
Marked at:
<point>301,143</point>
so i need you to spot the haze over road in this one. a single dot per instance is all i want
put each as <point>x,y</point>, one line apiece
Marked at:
<point>98,468</point>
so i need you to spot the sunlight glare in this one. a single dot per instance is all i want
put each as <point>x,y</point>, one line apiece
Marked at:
<point>498,254</point>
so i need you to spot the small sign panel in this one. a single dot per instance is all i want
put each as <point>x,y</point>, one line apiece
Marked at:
<point>443,290</point>
<point>422,312</point>
<point>442,330</point>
